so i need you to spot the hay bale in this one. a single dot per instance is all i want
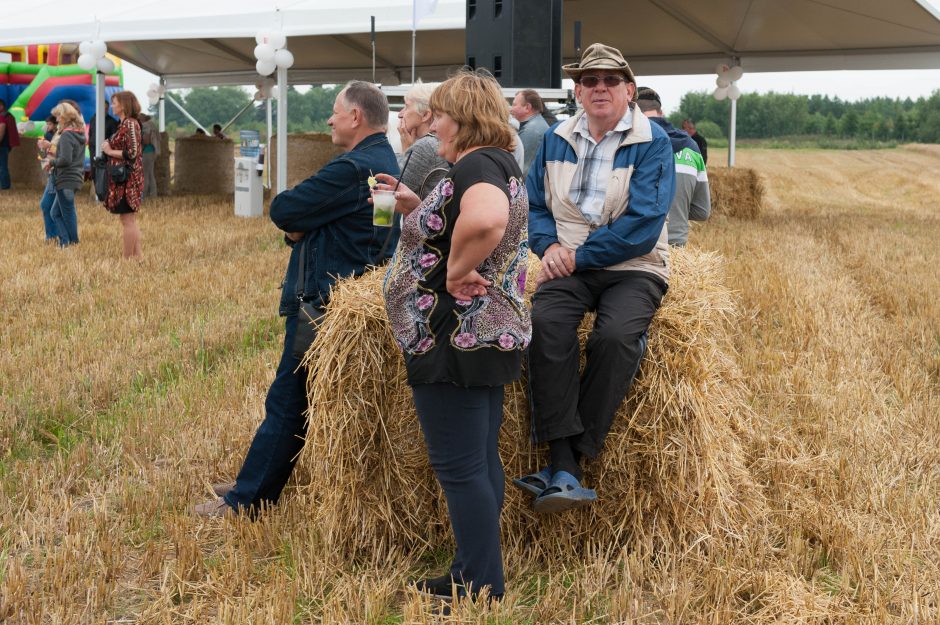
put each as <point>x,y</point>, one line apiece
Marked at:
<point>161,168</point>
<point>736,191</point>
<point>25,172</point>
<point>673,471</point>
<point>204,165</point>
<point>306,154</point>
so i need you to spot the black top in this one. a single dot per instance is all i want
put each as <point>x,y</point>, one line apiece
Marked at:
<point>476,342</point>
<point>702,145</point>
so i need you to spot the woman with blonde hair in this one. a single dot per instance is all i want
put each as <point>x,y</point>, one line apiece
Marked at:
<point>419,145</point>
<point>454,296</point>
<point>125,149</point>
<point>68,167</point>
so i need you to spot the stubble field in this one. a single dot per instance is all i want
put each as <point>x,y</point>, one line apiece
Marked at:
<point>127,388</point>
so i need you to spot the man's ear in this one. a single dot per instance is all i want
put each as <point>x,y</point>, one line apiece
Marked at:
<point>356,117</point>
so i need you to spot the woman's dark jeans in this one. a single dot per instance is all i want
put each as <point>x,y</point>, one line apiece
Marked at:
<point>65,217</point>
<point>461,429</point>
<point>45,204</point>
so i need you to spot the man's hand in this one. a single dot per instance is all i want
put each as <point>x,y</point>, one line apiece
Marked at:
<point>296,237</point>
<point>557,262</point>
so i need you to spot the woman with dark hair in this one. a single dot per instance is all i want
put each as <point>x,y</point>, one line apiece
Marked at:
<point>125,148</point>
<point>454,296</point>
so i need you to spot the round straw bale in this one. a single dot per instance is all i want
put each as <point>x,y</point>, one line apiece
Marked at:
<point>25,172</point>
<point>736,191</point>
<point>672,474</point>
<point>161,167</point>
<point>203,164</point>
<point>306,154</point>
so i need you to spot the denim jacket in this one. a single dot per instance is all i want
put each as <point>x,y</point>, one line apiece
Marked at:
<point>332,209</point>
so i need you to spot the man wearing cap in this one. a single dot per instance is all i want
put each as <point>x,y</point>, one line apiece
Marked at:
<point>692,199</point>
<point>599,191</point>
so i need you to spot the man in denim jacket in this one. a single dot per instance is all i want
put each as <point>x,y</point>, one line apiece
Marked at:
<point>330,213</point>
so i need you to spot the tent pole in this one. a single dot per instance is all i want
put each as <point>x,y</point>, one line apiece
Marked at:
<point>162,107</point>
<point>99,111</point>
<point>413,37</point>
<point>732,132</point>
<point>281,129</point>
<point>250,104</point>
<point>185,112</point>
<point>267,105</point>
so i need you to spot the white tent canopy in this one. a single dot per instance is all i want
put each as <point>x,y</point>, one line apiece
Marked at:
<point>211,41</point>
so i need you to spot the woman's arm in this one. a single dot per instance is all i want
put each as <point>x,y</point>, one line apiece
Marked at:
<point>484,213</point>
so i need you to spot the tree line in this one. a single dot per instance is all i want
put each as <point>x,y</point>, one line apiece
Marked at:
<point>774,115</point>
<point>306,111</point>
<point>759,116</point>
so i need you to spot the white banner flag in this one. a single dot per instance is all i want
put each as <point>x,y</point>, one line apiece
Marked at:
<point>421,8</point>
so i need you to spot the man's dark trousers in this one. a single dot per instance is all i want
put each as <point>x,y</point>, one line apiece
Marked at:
<point>280,437</point>
<point>564,405</point>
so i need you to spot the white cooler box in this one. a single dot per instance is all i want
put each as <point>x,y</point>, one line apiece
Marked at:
<point>249,187</point>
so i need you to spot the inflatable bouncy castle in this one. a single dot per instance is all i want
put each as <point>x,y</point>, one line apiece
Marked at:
<point>37,77</point>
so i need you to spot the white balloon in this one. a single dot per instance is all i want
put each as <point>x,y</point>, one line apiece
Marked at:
<point>733,92</point>
<point>284,58</point>
<point>259,96</point>
<point>721,81</point>
<point>98,48</point>
<point>152,93</point>
<point>161,89</point>
<point>274,92</point>
<point>265,90</point>
<point>154,100</point>
<point>261,37</point>
<point>84,47</point>
<point>720,93</point>
<point>721,68</point>
<point>265,68</point>
<point>264,52</point>
<point>735,73</point>
<point>86,61</point>
<point>105,65</point>
<point>277,40</point>
<point>154,87</point>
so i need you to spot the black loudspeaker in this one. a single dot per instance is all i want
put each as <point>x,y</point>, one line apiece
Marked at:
<point>519,41</point>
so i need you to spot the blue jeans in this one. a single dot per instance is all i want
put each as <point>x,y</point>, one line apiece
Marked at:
<point>4,167</point>
<point>461,429</point>
<point>65,218</point>
<point>48,198</point>
<point>280,437</point>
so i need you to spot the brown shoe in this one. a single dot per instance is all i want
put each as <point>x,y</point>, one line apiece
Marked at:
<point>214,508</point>
<point>223,489</point>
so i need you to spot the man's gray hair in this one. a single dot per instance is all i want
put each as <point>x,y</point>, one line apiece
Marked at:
<point>370,100</point>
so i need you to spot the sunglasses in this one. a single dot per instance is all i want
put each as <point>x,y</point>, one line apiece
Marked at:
<point>610,81</point>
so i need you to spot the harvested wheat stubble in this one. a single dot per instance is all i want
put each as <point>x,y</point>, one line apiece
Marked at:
<point>203,165</point>
<point>673,472</point>
<point>306,154</point>
<point>736,191</point>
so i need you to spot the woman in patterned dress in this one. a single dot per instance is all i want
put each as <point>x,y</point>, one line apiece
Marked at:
<point>125,147</point>
<point>454,296</point>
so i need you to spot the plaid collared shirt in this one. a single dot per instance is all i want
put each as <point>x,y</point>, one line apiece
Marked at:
<point>595,164</point>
